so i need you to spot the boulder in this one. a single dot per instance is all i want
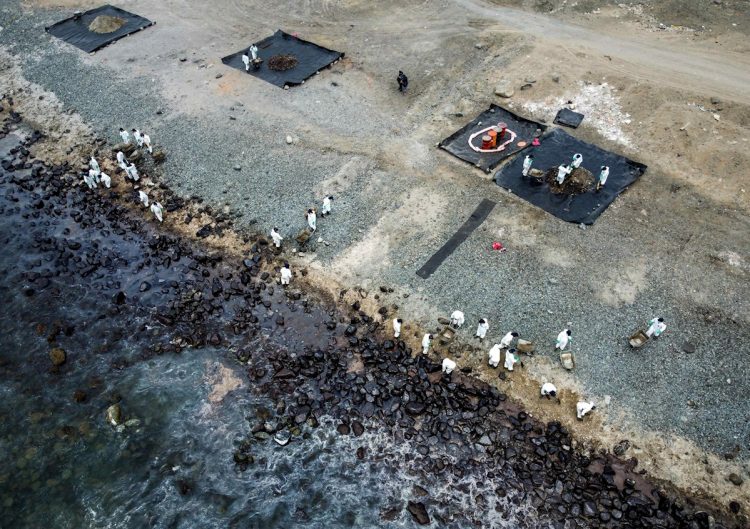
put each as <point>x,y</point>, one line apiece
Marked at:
<point>418,512</point>
<point>114,414</point>
<point>504,89</point>
<point>58,356</point>
<point>735,479</point>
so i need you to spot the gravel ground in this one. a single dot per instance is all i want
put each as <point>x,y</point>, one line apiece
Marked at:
<point>398,199</point>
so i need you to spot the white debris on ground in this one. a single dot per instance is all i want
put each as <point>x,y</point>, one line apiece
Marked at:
<point>599,104</point>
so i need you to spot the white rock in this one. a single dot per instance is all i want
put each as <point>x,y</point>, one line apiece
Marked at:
<point>504,89</point>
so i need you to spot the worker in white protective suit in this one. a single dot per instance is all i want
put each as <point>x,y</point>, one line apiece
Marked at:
<point>527,164</point>
<point>312,219</point>
<point>132,172</point>
<point>89,181</point>
<point>286,274</point>
<point>562,172</point>
<point>511,359</point>
<point>124,135</point>
<point>426,341</point>
<point>482,329</point>
<point>253,49</point>
<point>457,318</point>
<point>147,143</point>
<point>327,204</point>
<point>494,355</point>
<point>121,161</point>
<point>106,180</point>
<point>577,160</point>
<point>143,197</point>
<point>549,391</point>
<point>276,236</point>
<point>603,175</point>
<point>563,339</point>
<point>138,137</point>
<point>157,210</point>
<point>95,175</point>
<point>582,408</point>
<point>397,327</point>
<point>508,339</point>
<point>246,61</point>
<point>94,164</point>
<point>448,366</point>
<point>656,327</point>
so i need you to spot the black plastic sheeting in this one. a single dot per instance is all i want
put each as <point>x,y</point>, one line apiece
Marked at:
<point>311,59</point>
<point>568,118</point>
<point>473,222</point>
<point>76,31</point>
<point>458,143</point>
<point>559,147</point>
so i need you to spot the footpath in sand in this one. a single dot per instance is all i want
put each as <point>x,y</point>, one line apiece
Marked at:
<point>675,245</point>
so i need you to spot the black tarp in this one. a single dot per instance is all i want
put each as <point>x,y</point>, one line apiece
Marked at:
<point>471,224</point>
<point>567,117</point>
<point>76,31</point>
<point>311,59</point>
<point>458,143</point>
<point>558,147</point>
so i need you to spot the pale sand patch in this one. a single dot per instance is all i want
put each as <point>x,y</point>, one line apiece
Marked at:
<point>622,284</point>
<point>222,380</point>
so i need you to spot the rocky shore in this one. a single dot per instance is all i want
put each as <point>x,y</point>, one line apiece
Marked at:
<point>348,372</point>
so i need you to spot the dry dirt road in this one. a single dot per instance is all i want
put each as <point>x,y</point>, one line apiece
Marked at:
<point>719,73</point>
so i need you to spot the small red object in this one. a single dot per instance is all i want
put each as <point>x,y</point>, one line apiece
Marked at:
<point>499,247</point>
<point>536,142</point>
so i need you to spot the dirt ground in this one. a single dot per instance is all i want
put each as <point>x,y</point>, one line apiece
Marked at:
<point>676,98</point>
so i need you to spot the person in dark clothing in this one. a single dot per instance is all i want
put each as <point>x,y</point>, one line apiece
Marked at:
<point>403,82</point>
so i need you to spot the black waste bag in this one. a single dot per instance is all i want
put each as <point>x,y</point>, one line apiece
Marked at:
<point>567,117</point>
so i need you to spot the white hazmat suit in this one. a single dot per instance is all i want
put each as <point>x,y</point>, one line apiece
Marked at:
<point>482,329</point>
<point>494,355</point>
<point>277,238</point>
<point>562,340</point>
<point>448,366</point>
<point>426,341</point>
<point>157,210</point>
<point>312,220</point>
<point>527,165</point>
<point>583,407</point>
<point>507,340</point>
<point>510,360</point>
<point>327,203</point>
<point>655,328</point>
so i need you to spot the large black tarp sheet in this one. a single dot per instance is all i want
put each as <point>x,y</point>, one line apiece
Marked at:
<point>471,224</point>
<point>311,59</point>
<point>458,143</point>
<point>76,30</point>
<point>559,147</point>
